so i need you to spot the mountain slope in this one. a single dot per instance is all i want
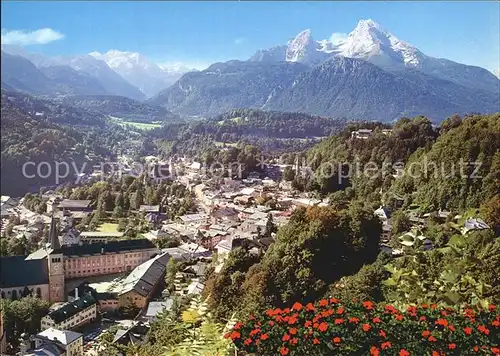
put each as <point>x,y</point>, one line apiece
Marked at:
<point>112,82</point>
<point>356,89</point>
<point>83,75</point>
<point>73,82</point>
<point>20,74</point>
<point>225,86</point>
<point>144,74</point>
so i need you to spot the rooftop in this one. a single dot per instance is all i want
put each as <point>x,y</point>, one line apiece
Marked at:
<point>67,310</point>
<point>112,246</point>
<point>68,203</point>
<point>16,271</point>
<point>64,337</point>
<point>143,278</point>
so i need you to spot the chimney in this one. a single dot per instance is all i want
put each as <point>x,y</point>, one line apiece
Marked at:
<point>76,293</point>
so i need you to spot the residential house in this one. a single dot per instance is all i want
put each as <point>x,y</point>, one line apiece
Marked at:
<point>361,134</point>
<point>74,205</point>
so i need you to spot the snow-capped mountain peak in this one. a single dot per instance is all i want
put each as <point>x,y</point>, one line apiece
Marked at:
<point>303,48</point>
<point>371,41</point>
<point>127,61</point>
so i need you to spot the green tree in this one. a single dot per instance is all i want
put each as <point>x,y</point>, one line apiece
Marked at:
<point>400,222</point>
<point>170,273</point>
<point>23,316</point>
<point>288,174</point>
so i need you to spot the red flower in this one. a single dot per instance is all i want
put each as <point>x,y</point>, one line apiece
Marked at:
<point>422,318</point>
<point>354,320</point>
<point>292,331</point>
<point>382,333</point>
<point>366,327</point>
<point>322,327</point>
<point>403,352</point>
<point>292,320</point>
<point>315,341</point>
<point>442,322</point>
<point>495,350</point>
<point>469,313</point>
<point>376,320</point>
<point>310,307</point>
<point>475,348</point>
<point>308,323</point>
<point>451,327</point>
<point>286,337</point>
<point>238,325</point>
<point>271,323</point>
<point>399,317</point>
<point>368,305</point>
<point>254,332</point>
<point>334,301</point>
<point>284,350</point>
<point>247,341</point>
<point>235,335</point>
<point>390,308</point>
<point>433,306</point>
<point>336,340</point>
<point>294,341</point>
<point>374,351</point>
<point>435,353</point>
<point>297,306</point>
<point>492,307</point>
<point>339,321</point>
<point>264,336</point>
<point>495,323</point>
<point>452,346</point>
<point>425,306</point>
<point>412,310</point>
<point>426,333</point>
<point>323,303</point>
<point>483,329</point>
<point>340,310</point>
<point>432,339</point>
<point>385,345</point>
<point>468,330</point>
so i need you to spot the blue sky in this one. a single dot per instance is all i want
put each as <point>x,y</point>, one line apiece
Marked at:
<point>198,33</point>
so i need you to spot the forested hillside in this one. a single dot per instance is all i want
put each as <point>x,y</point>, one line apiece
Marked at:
<point>35,130</point>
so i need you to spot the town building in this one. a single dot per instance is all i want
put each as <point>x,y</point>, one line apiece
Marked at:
<point>137,288</point>
<point>58,342</point>
<point>43,273</point>
<point>71,315</point>
<point>74,205</point>
<point>361,134</point>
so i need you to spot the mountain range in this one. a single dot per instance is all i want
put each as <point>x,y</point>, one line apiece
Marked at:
<point>368,74</point>
<point>119,73</point>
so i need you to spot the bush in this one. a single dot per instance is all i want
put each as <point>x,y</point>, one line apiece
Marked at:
<point>363,328</point>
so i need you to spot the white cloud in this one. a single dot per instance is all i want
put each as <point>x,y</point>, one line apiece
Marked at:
<point>239,40</point>
<point>26,38</point>
<point>338,37</point>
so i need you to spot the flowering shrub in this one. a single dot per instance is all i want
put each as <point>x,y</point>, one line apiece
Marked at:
<point>330,327</point>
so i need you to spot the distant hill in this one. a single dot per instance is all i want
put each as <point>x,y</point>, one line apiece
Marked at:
<point>119,106</point>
